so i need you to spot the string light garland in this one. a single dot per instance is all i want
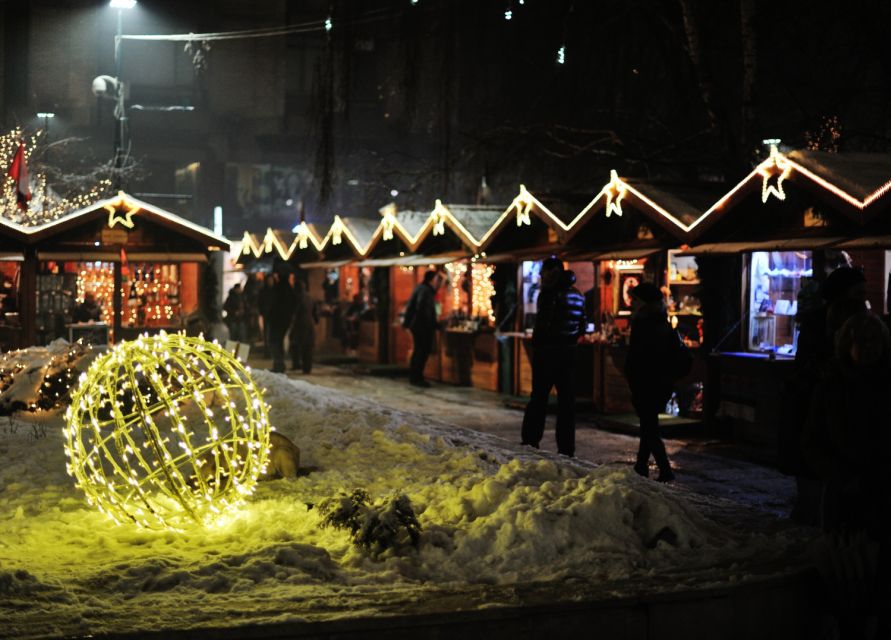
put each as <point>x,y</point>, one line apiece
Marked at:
<point>46,205</point>
<point>482,291</point>
<point>165,431</point>
<point>614,192</point>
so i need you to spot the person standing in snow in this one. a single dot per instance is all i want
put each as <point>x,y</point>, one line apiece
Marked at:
<point>559,322</point>
<point>281,311</point>
<point>420,318</point>
<point>303,330</point>
<point>651,368</point>
<point>235,312</point>
<point>264,307</point>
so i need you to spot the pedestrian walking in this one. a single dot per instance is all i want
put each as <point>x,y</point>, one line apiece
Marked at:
<point>235,313</point>
<point>420,318</point>
<point>281,313</point>
<point>656,359</point>
<point>559,322</point>
<point>303,328</point>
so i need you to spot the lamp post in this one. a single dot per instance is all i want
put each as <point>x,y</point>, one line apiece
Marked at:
<point>120,113</point>
<point>47,116</point>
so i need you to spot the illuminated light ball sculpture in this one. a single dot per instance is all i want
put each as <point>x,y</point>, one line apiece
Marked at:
<point>165,431</point>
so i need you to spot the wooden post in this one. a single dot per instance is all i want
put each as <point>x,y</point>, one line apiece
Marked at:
<point>117,302</point>
<point>28,294</point>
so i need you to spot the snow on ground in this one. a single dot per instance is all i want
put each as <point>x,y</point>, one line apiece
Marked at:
<point>494,516</point>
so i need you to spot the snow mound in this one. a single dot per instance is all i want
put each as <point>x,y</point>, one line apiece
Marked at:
<point>490,512</point>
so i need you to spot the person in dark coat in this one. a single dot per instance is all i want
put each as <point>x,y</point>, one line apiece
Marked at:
<point>264,307</point>
<point>88,310</point>
<point>649,373</point>
<point>559,321</point>
<point>303,330</point>
<point>845,442</point>
<point>420,318</point>
<point>281,312</point>
<point>235,313</point>
<point>820,316</point>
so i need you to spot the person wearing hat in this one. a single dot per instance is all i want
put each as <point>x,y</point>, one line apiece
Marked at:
<point>559,321</point>
<point>649,370</point>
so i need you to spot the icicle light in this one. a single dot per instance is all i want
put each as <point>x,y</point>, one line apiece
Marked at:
<point>166,430</point>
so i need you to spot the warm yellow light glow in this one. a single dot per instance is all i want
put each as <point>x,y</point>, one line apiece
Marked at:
<point>777,166</point>
<point>482,291</point>
<point>438,217</point>
<point>46,205</point>
<point>614,192</point>
<point>114,217</point>
<point>166,430</point>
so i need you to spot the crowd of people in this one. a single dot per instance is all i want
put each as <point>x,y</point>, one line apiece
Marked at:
<point>282,308</point>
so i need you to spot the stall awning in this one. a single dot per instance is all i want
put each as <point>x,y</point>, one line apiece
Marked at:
<point>115,256</point>
<point>626,254</point>
<point>325,264</point>
<point>785,244</point>
<point>12,257</point>
<point>874,242</point>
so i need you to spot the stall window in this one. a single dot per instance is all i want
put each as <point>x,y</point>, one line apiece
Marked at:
<point>775,279</point>
<point>531,285</point>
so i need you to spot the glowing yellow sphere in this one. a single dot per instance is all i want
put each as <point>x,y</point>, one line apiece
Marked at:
<point>166,430</point>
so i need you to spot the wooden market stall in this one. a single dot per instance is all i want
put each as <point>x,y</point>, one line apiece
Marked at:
<point>523,235</point>
<point>140,263</point>
<point>13,280</point>
<point>624,236</point>
<point>350,293</point>
<point>386,259</point>
<point>468,350</point>
<point>793,219</point>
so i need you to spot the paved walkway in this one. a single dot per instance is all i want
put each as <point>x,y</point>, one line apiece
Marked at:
<point>703,466</point>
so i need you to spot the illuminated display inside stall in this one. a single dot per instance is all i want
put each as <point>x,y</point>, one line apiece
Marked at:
<point>775,278</point>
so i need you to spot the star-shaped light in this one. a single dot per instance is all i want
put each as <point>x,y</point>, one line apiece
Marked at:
<point>614,192</point>
<point>438,219</point>
<point>337,231</point>
<point>777,167</point>
<point>302,235</point>
<point>523,203</point>
<point>388,223</point>
<point>114,215</point>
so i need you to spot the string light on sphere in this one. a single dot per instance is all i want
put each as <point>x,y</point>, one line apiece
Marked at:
<point>166,431</point>
<point>561,55</point>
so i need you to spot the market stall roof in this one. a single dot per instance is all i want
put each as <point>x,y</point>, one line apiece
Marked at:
<point>358,233</point>
<point>854,185</point>
<point>396,233</point>
<point>631,214</point>
<point>13,236</point>
<point>123,212</point>
<point>456,227</point>
<point>413,260</point>
<point>865,177</point>
<point>253,246</point>
<point>526,223</point>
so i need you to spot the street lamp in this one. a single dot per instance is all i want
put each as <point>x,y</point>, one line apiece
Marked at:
<point>119,111</point>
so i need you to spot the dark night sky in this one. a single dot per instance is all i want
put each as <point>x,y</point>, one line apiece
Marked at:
<point>428,98</point>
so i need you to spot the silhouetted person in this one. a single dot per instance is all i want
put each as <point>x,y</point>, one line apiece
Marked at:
<point>420,319</point>
<point>352,315</point>
<point>251,295</point>
<point>559,321</point>
<point>841,296</point>
<point>235,313</point>
<point>845,442</point>
<point>88,310</point>
<point>653,348</point>
<point>281,312</point>
<point>264,307</point>
<point>303,329</point>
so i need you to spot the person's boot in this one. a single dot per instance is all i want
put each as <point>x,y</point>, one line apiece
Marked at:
<point>665,475</point>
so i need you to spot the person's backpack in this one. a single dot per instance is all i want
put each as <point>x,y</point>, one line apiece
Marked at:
<point>680,360</point>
